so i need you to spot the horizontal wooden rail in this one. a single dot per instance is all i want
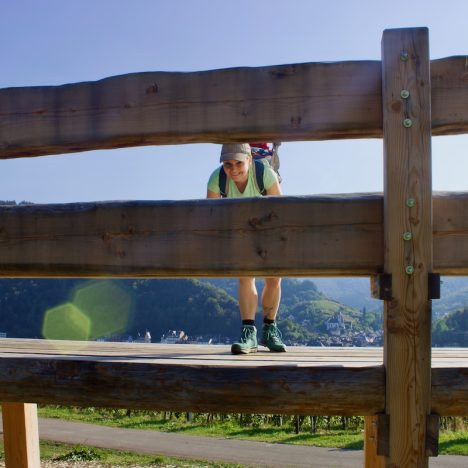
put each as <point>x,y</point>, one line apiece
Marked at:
<point>450,391</point>
<point>305,380</point>
<point>193,377</point>
<point>290,235</point>
<point>278,236</point>
<point>251,389</point>
<point>450,233</point>
<point>309,101</point>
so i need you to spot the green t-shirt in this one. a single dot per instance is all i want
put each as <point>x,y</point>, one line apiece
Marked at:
<point>251,190</point>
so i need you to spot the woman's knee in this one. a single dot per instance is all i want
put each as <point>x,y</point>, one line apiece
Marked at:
<point>247,282</point>
<point>273,282</point>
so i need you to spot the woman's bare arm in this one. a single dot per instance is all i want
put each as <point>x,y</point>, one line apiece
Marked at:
<point>210,194</point>
<point>275,189</point>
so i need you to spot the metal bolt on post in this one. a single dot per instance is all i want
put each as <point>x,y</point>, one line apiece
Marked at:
<point>407,236</point>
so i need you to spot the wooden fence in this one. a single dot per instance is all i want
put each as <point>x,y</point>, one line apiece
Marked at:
<point>408,233</point>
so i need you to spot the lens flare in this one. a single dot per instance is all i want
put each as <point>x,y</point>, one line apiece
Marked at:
<point>106,305</point>
<point>97,309</point>
<point>66,322</point>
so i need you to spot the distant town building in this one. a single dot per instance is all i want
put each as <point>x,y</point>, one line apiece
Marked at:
<point>336,325</point>
<point>117,338</point>
<point>180,337</point>
<point>174,337</point>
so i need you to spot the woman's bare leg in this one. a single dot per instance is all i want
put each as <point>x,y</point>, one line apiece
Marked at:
<point>248,298</point>
<point>271,297</point>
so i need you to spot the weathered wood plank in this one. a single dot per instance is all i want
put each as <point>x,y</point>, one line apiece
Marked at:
<point>194,387</point>
<point>21,435</point>
<point>371,458</point>
<point>283,235</point>
<point>407,175</point>
<point>450,390</point>
<point>449,95</point>
<point>34,365</point>
<point>309,101</point>
<point>341,235</point>
<point>450,233</point>
<point>278,103</point>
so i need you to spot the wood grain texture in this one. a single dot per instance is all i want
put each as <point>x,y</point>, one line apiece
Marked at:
<point>371,458</point>
<point>21,435</point>
<point>450,390</point>
<point>449,95</point>
<point>274,236</point>
<point>295,236</point>
<point>190,378</point>
<point>450,233</point>
<point>306,380</point>
<point>278,103</point>
<point>407,175</point>
<point>309,101</point>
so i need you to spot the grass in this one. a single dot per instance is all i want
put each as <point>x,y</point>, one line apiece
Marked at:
<point>63,452</point>
<point>454,443</point>
<point>284,435</point>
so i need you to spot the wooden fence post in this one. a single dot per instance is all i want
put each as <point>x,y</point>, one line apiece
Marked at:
<point>21,435</point>
<point>406,105</point>
<point>371,458</point>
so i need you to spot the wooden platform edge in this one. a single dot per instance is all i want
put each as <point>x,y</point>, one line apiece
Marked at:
<point>270,389</point>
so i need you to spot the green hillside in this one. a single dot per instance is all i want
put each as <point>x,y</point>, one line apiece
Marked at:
<point>452,330</point>
<point>203,309</point>
<point>76,309</point>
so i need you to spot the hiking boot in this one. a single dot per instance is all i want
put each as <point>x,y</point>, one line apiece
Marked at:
<point>271,338</point>
<point>247,342</point>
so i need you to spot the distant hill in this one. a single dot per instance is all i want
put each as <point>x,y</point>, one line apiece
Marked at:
<point>452,330</point>
<point>355,292</point>
<point>203,309</point>
<point>454,295</point>
<point>206,308</point>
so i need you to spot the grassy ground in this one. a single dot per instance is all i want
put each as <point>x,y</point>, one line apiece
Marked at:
<point>450,442</point>
<point>51,451</point>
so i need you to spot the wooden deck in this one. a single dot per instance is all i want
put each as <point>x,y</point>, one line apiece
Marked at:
<point>347,381</point>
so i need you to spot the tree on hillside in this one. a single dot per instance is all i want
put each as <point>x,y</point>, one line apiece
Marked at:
<point>451,330</point>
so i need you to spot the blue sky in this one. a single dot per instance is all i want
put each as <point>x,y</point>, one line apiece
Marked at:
<point>52,42</point>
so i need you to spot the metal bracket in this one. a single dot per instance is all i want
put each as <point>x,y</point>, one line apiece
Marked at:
<point>383,434</point>
<point>382,424</point>
<point>432,435</point>
<point>381,286</point>
<point>433,286</point>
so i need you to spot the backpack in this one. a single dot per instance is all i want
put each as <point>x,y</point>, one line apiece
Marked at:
<point>261,156</point>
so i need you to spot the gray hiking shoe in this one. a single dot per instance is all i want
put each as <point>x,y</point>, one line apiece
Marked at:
<point>271,338</point>
<point>247,342</point>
